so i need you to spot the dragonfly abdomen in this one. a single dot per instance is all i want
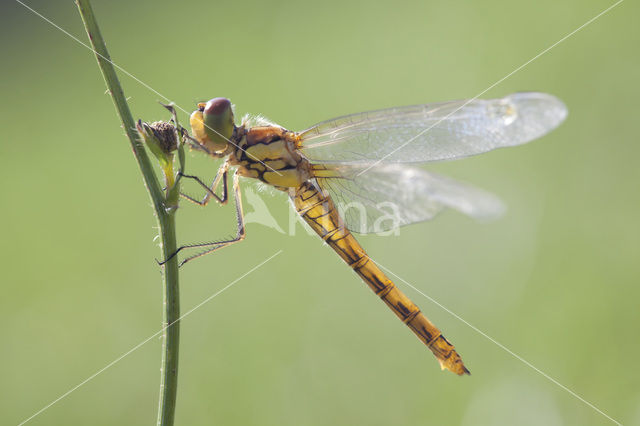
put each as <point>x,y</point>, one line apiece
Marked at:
<point>318,210</point>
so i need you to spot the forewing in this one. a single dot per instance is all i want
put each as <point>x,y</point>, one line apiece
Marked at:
<point>433,132</point>
<point>381,198</point>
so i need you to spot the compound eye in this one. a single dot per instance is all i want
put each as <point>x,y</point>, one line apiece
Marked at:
<point>217,106</point>
<point>218,121</point>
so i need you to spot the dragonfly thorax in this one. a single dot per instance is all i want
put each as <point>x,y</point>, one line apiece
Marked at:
<point>268,153</point>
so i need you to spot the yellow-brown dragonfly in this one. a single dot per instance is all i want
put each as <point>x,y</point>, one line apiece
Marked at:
<point>363,159</point>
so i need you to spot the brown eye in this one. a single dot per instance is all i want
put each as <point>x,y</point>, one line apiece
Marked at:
<point>218,122</point>
<point>217,106</point>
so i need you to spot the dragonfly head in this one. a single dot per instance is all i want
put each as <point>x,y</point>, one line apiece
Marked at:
<point>212,124</point>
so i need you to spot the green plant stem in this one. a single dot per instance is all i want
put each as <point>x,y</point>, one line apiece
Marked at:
<point>166,221</point>
<point>171,325</point>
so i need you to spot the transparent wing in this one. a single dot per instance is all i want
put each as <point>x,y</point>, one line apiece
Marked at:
<point>433,132</point>
<point>391,195</point>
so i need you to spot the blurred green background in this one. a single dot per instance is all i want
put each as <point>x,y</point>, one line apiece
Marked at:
<point>301,341</point>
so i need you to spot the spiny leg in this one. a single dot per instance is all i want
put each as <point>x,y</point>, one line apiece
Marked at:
<point>215,245</point>
<point>240,232</point>
<point>221,176</point>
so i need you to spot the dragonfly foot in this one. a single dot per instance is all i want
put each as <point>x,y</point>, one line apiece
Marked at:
<point>167,259</point>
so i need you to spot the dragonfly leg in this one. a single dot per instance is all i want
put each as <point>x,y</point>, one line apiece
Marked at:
<point>221,177</point>
<point>195,145</point>
<point>216,245</point>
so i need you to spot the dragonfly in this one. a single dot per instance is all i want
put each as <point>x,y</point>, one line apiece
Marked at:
<point>368,160</point>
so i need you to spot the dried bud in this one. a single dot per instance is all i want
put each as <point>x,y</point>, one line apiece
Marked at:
<point>160,138</point>
<point>166,135</point>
